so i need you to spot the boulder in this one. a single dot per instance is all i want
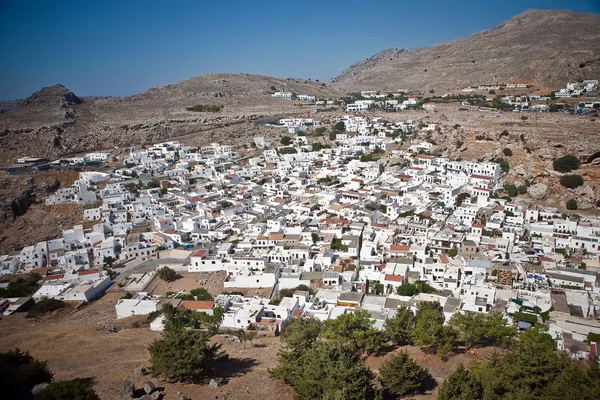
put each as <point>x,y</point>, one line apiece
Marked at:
<point>39,387</point>
<point>127,389</point>
<point>141,371</point>
<point>539,191</point>
<point>216,382</point>
<point>148,387</point>
<point>157,395</point>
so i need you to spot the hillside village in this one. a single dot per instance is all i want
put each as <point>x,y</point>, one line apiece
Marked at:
<point>359,225</point>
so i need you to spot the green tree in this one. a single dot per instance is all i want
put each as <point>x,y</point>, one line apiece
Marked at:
<point>322,371</point>
<point>166,274</point>
<point>320,131</point>
<point>399,327</point>
<point>339,127</point>
<point>530,369</point>
<point>353,330</point>
<point>429,331</point>
<point>315,237</point>
<point>301,332</point>
<point>566,163</point>
<point>571,204</point>
<point>504,166</point>
<point>453,252</point>
<point>20,372</point>
<point>511,189</point>
<point>402,376</point>
<point>482,329</point>
<point>460,385</point>
<point>183,354</point>
<point>72,390</point>
<point>286,140</point>
<point>201,294</point>
<point>408,289</point>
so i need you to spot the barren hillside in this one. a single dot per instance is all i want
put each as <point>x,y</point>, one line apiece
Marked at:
<point>55,122</point>
<point>546,48</point>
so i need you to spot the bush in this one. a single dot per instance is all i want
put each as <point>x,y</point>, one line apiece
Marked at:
<point>22,287</point>
<point>453,252</point>
<point>201,294</point>
<point>566,163</point>
<point>572,204</point>
<point>571,181</point>
<point>44,306</point>
<point>286,140</point>
<point>511,189</point>
<point>507,152</point>
<point>166,274</point>
<point>504,166</point>
<point>205,108</point>
<point>19,373</point>
<point>72,390</point>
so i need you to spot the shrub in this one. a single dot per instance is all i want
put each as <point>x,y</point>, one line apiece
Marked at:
<point>566,164</point>
<point>19,372</point>
<point>572,204</point>
<point>571,181</point>
<point>73,390</point>
<point>507,152</point>
<point>201,294</point>
<point>205,108</point>
<point>22,287</point>
<point>44,306</point>
<point>504,166</point>
<point>166,274</point>
<point>511,189</point>
<point>453,252</point>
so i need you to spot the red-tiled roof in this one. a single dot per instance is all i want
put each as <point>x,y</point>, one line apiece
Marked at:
<point>53,277</point>
<point>88,272</point>
<point>398,247</point>
<point>444,259</point>
<point>199,253</point>
<point>297,313</point>
<point>393,278</point>
<point>169,231</point>
<point>41,271</point>
<point>477,225</point>
<point>487,178</point>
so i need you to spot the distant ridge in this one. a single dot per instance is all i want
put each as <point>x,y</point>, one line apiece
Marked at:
<point>546,48</point>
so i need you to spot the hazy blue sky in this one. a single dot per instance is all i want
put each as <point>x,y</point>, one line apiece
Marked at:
<point>119,48</point>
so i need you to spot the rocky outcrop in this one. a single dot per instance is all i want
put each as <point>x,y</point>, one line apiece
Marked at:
<point>12,208</point>
<point>539,191</point>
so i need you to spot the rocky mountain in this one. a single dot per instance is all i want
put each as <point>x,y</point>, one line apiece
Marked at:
<point>54,121</point>
<point>545,48</point>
